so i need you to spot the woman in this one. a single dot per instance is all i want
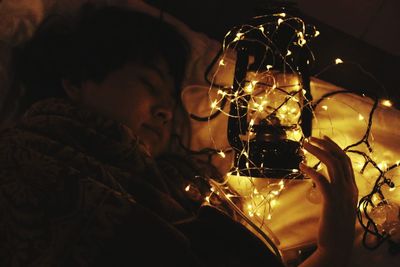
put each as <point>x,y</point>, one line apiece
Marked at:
<point>79,186</point>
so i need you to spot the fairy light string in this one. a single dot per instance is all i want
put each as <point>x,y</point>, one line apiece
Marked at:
<point>259,204</point>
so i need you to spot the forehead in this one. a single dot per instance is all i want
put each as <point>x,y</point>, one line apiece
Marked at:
<point>157,71</point>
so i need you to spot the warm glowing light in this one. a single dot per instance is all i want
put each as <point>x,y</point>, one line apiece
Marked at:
<point>301,40</point>
<point>383,165</point>
<point>222,154</point>
<point>187,188</point>
<point>392,189</point>
<point>269,67</point>
<point>386,103</point>
<point>288,53</point>
<point>375,199</point>
<point>282,15</point>
<point>214,104</point>
<point>316,33</point>
<point>324,107</point>
<point>251,123</point>
<point>221,62</point>
<point>338,61</point>
<point>250,87</point>
<point>269,217</point>
<point>238,37</point>
<point>281,184</point>
<point>280,21</point>
<point>220,92</point>
<point>207,199</point>
<point>261,28</point>
<point>360,117</point>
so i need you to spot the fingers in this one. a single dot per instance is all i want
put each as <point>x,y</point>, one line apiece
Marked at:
<point>340,161</point>
<point>320,180</point>
<point>324,153</point>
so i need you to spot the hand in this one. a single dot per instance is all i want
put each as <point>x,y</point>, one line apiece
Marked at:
<point>340,193</point>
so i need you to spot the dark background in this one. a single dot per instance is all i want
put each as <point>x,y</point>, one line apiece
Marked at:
<point>365,32</point>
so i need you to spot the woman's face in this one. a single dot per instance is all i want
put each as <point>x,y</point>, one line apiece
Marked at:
<point>141,96</point>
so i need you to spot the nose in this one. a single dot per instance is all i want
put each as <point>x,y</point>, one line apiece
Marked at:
<point>163,114</point>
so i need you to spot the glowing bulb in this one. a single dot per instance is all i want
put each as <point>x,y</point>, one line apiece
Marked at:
<point>391,189</point>
<point>301,40</point>
<point>383,165</point>
<point>251,123</point>
<point>324,107</point>
<point>338,61</point>
<point>269,67</point>
<point>316,33</point>
<point>222,154</point>
<point>187,188</point>
<point>398,162</point>
<point>222,62</point>
<point>238,37</point>
<point>261,28</point>
<point>288,53</point>
<point>207,199</point>
<point>275,192</point>
<point>250,87</point>
<point>280,21</point>
<point>273,203</point>
<point>282,15</point>
<point>360,117</point>
<point>269,217</point>
<point>386,103</point>
<point>281,184</point>
<point>214,104</point>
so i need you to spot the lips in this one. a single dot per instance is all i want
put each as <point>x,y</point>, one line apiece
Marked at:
<point>155,130</point>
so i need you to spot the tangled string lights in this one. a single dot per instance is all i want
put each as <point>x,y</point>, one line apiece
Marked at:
<point>276,94</point>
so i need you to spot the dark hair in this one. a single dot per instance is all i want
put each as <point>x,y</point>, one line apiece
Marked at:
<point>90,46</point>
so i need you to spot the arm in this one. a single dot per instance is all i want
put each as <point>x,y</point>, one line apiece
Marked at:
<point>337,222</point>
